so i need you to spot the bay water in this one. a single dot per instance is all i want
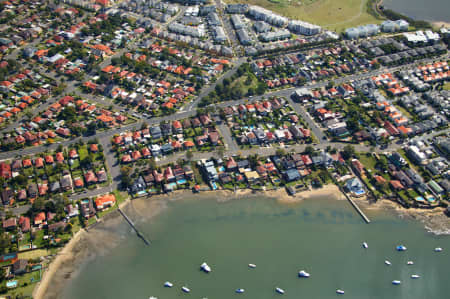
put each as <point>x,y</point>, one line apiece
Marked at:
<point>322,236</point>
<point>430,10</point>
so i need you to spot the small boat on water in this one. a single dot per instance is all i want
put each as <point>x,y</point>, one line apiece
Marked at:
<point>240,291</point>
<point>168,284</point>
<point>365,245</point>
<point>252,266</point>
<point>415,276</point>
<point>410,263</point>
<point>396,282</point>
<point>340,292</point>
<point>401,248</point>
<point>387,262</point>
<point>151,297</point>
<point>279,290</point>
<point>303,273</point>
<point>186,289</point>
<point>438,249</point>
<point>205,268</point>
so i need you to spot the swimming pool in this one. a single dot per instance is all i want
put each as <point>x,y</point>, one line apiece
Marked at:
<point>12,284</point>
<point>431,199</point>
<point>181,182</point>
<point>420,198</point>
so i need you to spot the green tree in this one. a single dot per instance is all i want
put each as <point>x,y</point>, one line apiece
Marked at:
<point>38,205</point>
<point>309,150</point>
<point>348,152</point>
<point>189,155</point>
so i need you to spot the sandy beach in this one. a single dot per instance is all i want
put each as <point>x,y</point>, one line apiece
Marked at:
<point>441,24</point>
<point>64,256</point>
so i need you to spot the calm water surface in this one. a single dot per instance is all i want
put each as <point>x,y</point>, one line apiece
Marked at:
<point>322,236</point>
<point>429,10</point>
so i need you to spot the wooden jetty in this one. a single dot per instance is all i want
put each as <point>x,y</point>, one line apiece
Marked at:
<point>138,233</point>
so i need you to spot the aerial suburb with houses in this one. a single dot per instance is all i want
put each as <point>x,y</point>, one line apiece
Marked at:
<point>103,102</point>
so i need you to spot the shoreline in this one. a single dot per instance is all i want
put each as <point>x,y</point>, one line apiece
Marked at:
<point>434,220</point>
<point>76,253</point>
<point>64,255</point>
<point>436,24</point>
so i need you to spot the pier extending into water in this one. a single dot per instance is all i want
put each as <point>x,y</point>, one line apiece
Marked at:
<point>138,233</point>
<point>360,212</point>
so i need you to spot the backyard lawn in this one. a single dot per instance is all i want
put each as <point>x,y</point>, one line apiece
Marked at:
<point>26,284</point>
<point>334,15</point>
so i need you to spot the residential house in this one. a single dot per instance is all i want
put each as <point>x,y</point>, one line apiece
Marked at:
<point>105,201</point>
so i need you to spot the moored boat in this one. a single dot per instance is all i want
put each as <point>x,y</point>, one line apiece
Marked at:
<point>438,249</point>
<point>252,266</point>
<point>339,291</point>
<point>415,276</point>
<point>168,284</point>
<point>410,263</point>
<point>185,289</point>
<point>401,248</point>
<point>151,297</point>
<point>396,282</point>
<point>387,262</point>
<point>205,267</point>
<point>240,291</point>
<point>365,245</point>
<point>279,290</point>
<point>303,273</point>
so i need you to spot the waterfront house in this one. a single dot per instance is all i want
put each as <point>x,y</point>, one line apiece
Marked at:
<point>291,175</point>
<point>19,267</point>
<point>355,187</point>
<point>105,201</point>
<point>87,208</point>
<point>72,210</point>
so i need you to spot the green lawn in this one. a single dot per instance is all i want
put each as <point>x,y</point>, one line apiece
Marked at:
<point>335,15</point>
<point>240,84</point>
<point>368,161</point>
<point>447,86</point>
<point>26,285</point>
<point>38,240</point>
<point>83,153</point>
<point>120,196</point>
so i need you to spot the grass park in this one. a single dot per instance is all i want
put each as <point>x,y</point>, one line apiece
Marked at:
<point>335,15</point>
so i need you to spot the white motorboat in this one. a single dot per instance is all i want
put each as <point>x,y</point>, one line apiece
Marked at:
<point>168,284</point>
<point>303,273</point>
<point>279,290</point>
<point>396,282</point>
<point>186,289</point>
<point>205,267</point>
<point>387,262</point>
<point>365,245</point>
<point>401,248</point>
<point>339,291</point>
<point>252,266</point>
<point>240,291</point>
<point>415,276</point>
<point>151,297</point>
<point>438,249</point>
<point>410,263</point>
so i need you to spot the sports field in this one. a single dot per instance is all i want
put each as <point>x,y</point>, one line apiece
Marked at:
<point>336,15</point>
